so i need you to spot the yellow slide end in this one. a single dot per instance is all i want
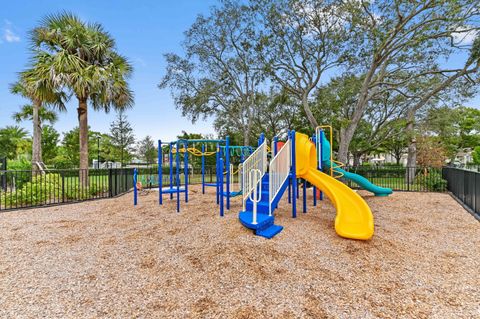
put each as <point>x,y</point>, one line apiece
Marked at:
<point>354,218</point>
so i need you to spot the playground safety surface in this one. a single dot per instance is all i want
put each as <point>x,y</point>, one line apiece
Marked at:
<point>108,259</point>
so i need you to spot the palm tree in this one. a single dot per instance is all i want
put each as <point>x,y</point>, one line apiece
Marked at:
<point>10,137</point>
<point>26,114</point>
<point>82,57</point>
<point>41,92</point>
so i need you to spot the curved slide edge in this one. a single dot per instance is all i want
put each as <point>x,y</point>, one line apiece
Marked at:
<point>358,179</point>
<point>354,218</point>
<point>361,181</point>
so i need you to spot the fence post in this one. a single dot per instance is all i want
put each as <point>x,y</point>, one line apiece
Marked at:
<point>110,183</point>
<point>63,188</point>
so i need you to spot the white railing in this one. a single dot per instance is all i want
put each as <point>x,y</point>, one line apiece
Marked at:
<point>255,182</point>
<point>257,160</point>
<point>279,169</point>
<point>239,180</point>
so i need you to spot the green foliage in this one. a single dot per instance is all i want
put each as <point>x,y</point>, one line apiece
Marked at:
<point>46,188</point>
<point>432,181</point>
<point>14,142</point>
<point>122,138</point>
<point>69,154</point>
<point>146,150</point>
<point>50,141</point>
<point>476,155</point>
<point>457,128</point>
<point>35,192</point>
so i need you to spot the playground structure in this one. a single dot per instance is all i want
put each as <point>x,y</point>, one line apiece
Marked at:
<point>303,158</point>
<point>263,183</point>
<point>223,152</point>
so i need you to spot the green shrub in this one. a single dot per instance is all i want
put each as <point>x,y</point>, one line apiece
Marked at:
<point>432,181</point>
<point>47,188</point>
<point>41,189</point>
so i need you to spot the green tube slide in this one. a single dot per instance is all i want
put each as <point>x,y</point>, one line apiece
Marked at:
<point>357,179</point>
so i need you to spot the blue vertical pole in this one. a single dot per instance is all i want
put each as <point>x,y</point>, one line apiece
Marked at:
<point>314,189</point>
<point>294,177</point>
<point>217,178</point>
<point>203,169</point>
<point>298,191</point>
<point>304,196</point>
<point>177,160</point>
<point>220,166</point>
<point>227,164</point>
<point>320,163</point>
<point>185,170</point>
<point>135,199</point>
<point>275,148</point>
<point>160,181</point>
<point>171,169</point>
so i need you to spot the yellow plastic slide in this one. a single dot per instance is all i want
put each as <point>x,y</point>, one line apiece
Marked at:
<point>354,218</point>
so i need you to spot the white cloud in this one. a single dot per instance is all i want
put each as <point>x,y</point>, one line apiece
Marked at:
<point>463,36</point>
<point>140,62</point>
<point>9,34</point>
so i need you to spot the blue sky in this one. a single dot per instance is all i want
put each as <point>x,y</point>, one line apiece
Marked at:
<point>144,31</point>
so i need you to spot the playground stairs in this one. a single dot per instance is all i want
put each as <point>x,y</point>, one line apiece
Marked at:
<point>265,226</point>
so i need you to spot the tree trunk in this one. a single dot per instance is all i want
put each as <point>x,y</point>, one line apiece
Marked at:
<point>398,157</point>
<point>83,128</point>
<point>412,147</point>
<point>37,137</point>
<point>356,159</point>
<point>346,136</point>
<point>308,111</point>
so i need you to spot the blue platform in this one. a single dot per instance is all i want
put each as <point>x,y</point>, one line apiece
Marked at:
<point>265,226</point>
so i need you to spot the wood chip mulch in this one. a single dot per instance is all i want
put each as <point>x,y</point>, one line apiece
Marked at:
<point>109,259</point>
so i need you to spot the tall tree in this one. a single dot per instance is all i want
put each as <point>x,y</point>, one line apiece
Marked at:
<point>396,42</point>
<point>41,92</point>
<point>122,137</point>
<point>82,57</point>
<point>50,141</point>
<point>299,41</point>
<point>10,138</point>
<point>219,75</point>
<point>146,150</point>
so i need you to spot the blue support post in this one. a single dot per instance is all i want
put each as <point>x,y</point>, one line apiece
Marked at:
<point>261,139</point>
<point>314,189</point>
<point>304,196</point>
<point>294,176</point>
<point>298,191</point>
<point>217,178</point>
<point>227,166</point>
<point>203,168</point>
<point>177,161</point>
<point>220,166</point>
<point>275,147</point>
<point>135,191</point>
<point>290,190</point>
<point>185,170</point>
<point>160,173</point>
<point>320,162</point>
<point>170,155</point>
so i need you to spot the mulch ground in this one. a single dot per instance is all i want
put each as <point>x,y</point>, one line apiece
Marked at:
<point>109,259</point>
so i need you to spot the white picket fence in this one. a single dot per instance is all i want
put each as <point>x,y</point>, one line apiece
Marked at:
<point>256,161</point>
<point>279,170</point>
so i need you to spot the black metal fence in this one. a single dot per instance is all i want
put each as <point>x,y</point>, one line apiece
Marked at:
<point>25,189</point>
<point>464,185</point>
<point>399,178</point>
